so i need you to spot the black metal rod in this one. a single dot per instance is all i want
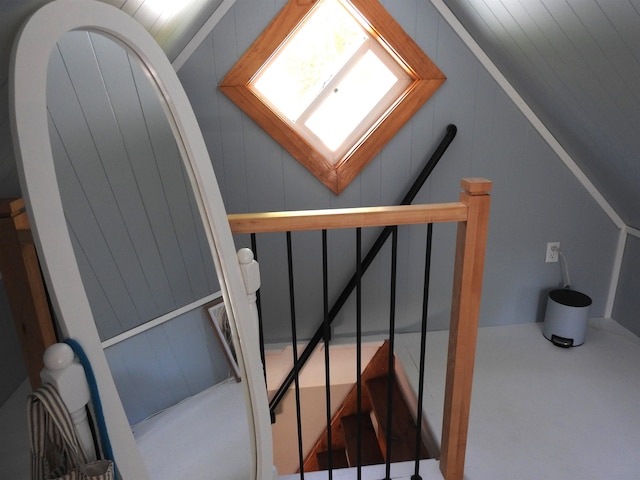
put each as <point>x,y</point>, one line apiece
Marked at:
<point>359,350</point>
<point>423,349</point>
<point>294,341</point>
<point>327,336</point>
<point>391,365</point>
<point>377,246</point>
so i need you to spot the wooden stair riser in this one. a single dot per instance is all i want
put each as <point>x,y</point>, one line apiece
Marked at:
<point>370,453</point>
<point>376,367</point>
<point>403,426</point>
<point>374,395</point>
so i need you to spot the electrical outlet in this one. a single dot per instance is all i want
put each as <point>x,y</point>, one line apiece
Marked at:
<point>552,252</point>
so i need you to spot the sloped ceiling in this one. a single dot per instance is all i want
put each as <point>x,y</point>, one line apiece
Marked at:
<point>177,30</point>
<point>172,23</point>
<point>577,64</point>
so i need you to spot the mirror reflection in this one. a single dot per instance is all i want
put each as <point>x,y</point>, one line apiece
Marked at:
<point>140,245</point>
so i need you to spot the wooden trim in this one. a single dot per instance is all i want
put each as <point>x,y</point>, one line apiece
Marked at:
<point>465,312</point>
<point>24,285</point>
<point>202,34</point>
<point>347,218</point>
<point>335,175</point>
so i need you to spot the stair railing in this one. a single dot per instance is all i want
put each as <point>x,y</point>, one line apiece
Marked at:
<point>366,263</point>
<point>471,214</point>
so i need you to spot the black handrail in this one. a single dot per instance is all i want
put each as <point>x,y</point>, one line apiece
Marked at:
<point>368,260</point>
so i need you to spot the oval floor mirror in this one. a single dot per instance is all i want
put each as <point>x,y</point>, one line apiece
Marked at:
<point>132,233</point>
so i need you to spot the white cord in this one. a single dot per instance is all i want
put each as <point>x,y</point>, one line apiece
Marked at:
<point>566,283</point>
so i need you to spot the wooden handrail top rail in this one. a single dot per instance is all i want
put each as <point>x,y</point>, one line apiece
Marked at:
<point>347,218</point>
<point>360,216</point>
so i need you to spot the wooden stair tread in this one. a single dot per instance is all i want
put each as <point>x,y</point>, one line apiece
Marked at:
<point>338,459</point>
<point>376,367</point>
<point>403,428</point>
<point>371,453</point>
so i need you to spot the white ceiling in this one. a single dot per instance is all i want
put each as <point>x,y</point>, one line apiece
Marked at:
<point>173,31</point>
<point>577,64</point>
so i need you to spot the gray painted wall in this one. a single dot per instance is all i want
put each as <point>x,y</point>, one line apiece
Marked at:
<point>127,198</point>
<point>575,63</point>
<point>134,224</point>
<point>627,302</point>
<point>166,364</point>
<point>536,199</point>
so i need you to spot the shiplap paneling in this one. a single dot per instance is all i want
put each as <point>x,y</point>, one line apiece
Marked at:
<point>626,303</point>
<point>532,197</point>
<point>529,179</point>
<point>130,203</point>
<point>172,361</point>
<point>88,141</point>
<point>575,62</point>
<point>134,222</point>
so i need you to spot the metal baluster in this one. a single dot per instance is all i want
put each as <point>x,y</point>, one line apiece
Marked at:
<point>377,246</point>
<point>294,340</point>
<point>423,338</point>
<point>391,366</point>
<point>327,336</point>
<point>254,248</point>
<point>359,351</point>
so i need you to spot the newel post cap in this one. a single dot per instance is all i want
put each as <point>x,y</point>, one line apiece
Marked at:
<point>250,270</point>
<point>476,185</point>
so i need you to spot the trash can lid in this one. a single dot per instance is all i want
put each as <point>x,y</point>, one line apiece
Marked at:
<point>571,298</point>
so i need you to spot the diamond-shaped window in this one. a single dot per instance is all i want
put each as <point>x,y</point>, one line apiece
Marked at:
<point>332,81</point>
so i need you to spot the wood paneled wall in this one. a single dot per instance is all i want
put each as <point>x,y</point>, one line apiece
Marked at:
<point>133,220</point>
<point>536,199</point>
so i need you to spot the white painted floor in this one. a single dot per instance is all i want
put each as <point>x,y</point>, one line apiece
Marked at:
<point>538,411</point>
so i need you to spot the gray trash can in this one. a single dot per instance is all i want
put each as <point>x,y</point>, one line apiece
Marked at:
<point>565,321</point>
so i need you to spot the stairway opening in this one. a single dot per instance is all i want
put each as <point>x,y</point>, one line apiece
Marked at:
<point>344,424</point>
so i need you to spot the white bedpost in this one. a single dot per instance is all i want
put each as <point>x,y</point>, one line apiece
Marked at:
<point>250,270</point>
<point>63,371</point>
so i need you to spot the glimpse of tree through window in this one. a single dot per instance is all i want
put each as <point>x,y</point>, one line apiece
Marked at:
<point>329,77</point>
<point>310,58</point>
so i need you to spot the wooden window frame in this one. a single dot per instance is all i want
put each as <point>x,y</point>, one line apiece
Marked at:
<point>335,175</point>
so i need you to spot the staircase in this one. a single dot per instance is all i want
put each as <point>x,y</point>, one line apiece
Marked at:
<point>373,424</point>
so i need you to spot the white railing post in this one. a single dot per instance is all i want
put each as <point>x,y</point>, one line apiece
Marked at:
<point>250,271</point>
<point>65,373</point>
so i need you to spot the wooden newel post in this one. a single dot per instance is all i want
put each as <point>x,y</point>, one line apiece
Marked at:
<point>465,311</point>
<point>25,288</point>
<point>66,374</point>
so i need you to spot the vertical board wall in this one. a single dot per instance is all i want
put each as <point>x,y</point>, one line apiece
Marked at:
<point>536,199</point>
<point>627,302</point>
<point>134,223</point>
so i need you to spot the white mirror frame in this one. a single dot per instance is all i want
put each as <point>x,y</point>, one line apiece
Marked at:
<point>28,86</point>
